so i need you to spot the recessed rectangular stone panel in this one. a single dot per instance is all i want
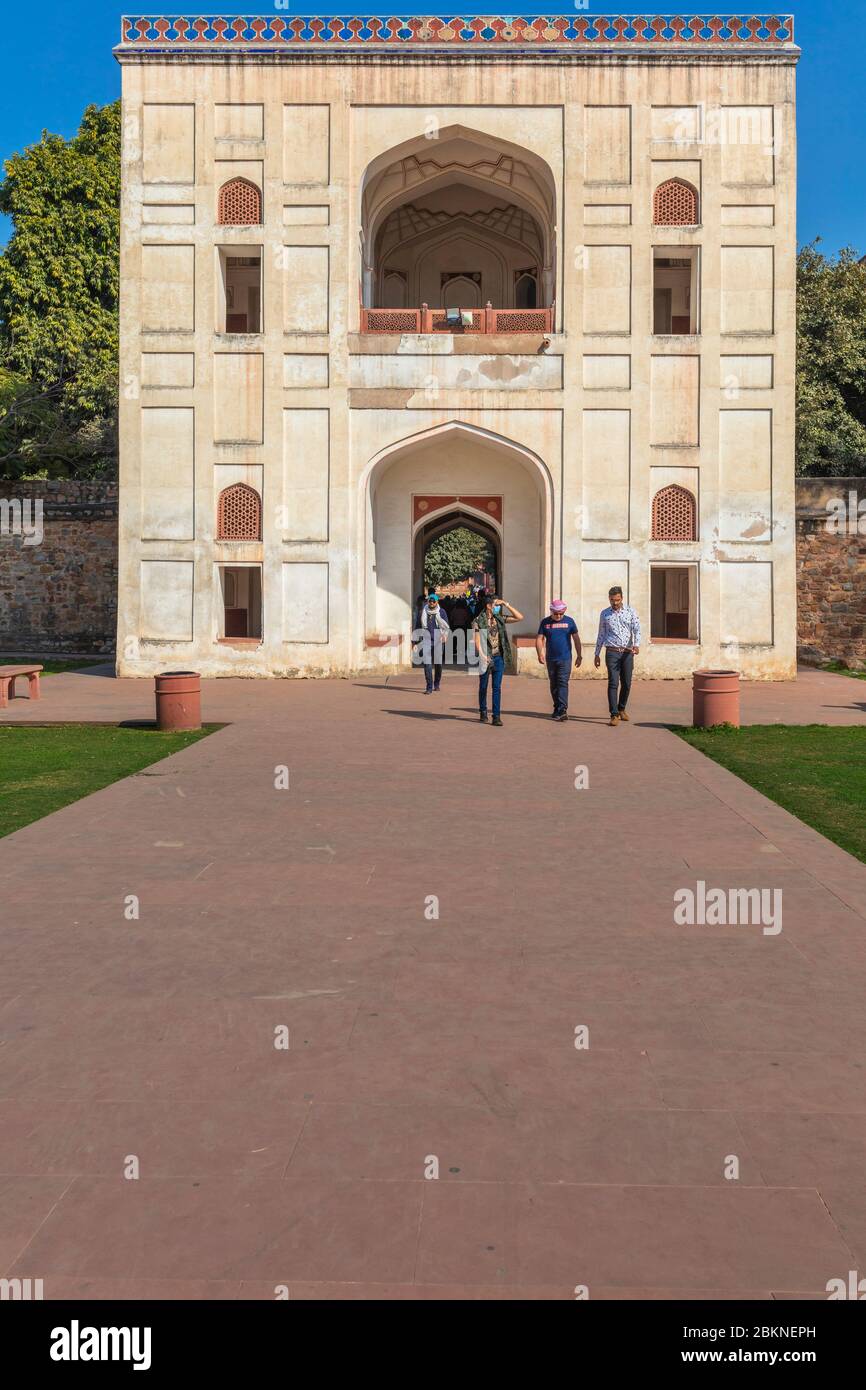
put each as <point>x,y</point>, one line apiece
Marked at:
<point>428,373</point>
<point>305,602</point>
<point>597,578</point>
<point>167,289</point>
<point>675,401</point>
<point>238,393</point>
<point>309,215</point>
<point>239,121</point>
<point>168,143</point>
<point>607,214</point>
<point>306,144</point>
<point>305,369</point>
<point>745,475</point>
<point>166,588</point>
<point>168,473</point>
<point>167,369</point>
<point>305,289</point>
<point>746,138</point>
<point>607,289</point>
<point>306,467</point>
<point>741,215</point>
<point>606,372</point>
<point>168,214</point>
<point>607,144</point>
<point>746,603</point>
<point>677,125</point>
<point>746,372</point>
<point>747,297</point>
<point>606,474</point>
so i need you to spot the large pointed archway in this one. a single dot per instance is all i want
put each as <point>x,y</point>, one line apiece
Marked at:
<point>451,470</point>
<point>462,220</point>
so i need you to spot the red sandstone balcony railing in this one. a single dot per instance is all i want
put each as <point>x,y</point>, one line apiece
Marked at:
<point>744,32</point>
<point>426,320</point>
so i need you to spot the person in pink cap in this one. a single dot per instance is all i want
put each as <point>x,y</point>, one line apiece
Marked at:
<point>553,648</point>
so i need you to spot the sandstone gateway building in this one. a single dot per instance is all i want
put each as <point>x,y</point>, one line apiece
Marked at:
<point>383,277</point>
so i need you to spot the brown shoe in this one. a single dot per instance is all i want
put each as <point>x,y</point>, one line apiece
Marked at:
<point>624,716</point>
<point>614,720</point>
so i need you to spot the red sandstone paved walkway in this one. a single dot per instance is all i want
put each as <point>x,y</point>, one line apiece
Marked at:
<point>410,1037</point>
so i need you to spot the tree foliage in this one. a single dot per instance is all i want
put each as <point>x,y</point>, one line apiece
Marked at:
<point>456,555</point>
<point>831,364</point>
<point>58,302</point>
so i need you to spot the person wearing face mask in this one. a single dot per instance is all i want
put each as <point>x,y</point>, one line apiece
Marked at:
<point>435,633</point>
<point>494,650</point>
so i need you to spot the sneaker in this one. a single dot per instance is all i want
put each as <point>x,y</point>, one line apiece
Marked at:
<point>429,690</point>
<point>497,720</point>
<point>563,718</point>
<point>436,690</point>
<point>624,716</point>
<point>555,714</point>
<point>482,718</point>
<point>614,720</point>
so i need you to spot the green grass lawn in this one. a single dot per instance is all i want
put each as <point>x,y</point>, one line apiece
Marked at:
<point>44,767</point>
<point>51,667</point>
<point>839,670</point>
<point>815,771</point>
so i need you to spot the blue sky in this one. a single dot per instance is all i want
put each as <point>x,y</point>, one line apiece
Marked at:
<point>50,76</point>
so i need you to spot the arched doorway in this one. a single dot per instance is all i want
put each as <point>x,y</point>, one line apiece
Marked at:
<point>420,487</point>
<point>436,566</point>
<point>460,518</point>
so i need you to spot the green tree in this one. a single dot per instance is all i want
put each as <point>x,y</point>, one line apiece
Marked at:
<point>456,555</point>
<point>58,302</point>
<point>831,363</point>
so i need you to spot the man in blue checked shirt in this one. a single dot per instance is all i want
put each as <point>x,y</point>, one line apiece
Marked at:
<point>619,634</point>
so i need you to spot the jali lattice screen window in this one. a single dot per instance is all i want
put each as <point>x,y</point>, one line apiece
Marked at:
<point>239,514</point>
<point>675,204</point>
<point>674,515</point>
<point>240,204</point>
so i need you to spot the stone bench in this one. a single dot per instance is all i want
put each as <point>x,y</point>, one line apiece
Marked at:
<point>8,677</point>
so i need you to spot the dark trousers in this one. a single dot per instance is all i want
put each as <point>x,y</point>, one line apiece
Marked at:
<point>431,671</point>
<point>619,668</point>
<point>495,669</point>
<point>558,673</point>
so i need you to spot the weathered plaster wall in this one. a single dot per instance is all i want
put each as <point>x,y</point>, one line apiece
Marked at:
<point>320,403</point>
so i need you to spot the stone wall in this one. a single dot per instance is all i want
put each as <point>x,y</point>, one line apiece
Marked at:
<point>58,571</point>
<point>831,570</point>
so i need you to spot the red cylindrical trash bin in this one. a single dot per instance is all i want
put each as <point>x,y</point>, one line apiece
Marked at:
<point>178,700</point>
<point>715,698</point>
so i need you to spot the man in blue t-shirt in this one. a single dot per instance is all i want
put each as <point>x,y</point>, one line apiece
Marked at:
<point>553,647</point>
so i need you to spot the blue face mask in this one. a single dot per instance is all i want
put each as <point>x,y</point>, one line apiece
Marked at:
<point>497,607</point>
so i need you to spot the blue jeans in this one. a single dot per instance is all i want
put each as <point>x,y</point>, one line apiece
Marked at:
<point>429,672</point>
<point>495,668</point>
<point>619,668</point>
<point>558,673</point>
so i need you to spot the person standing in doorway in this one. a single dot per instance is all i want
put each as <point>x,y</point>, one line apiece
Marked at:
<point>436,632</point>
<point>494,650</point>
<point>619,634</point>
<point>553,648</point>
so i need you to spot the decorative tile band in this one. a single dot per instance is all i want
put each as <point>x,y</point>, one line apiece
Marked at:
<point>141,31</point>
